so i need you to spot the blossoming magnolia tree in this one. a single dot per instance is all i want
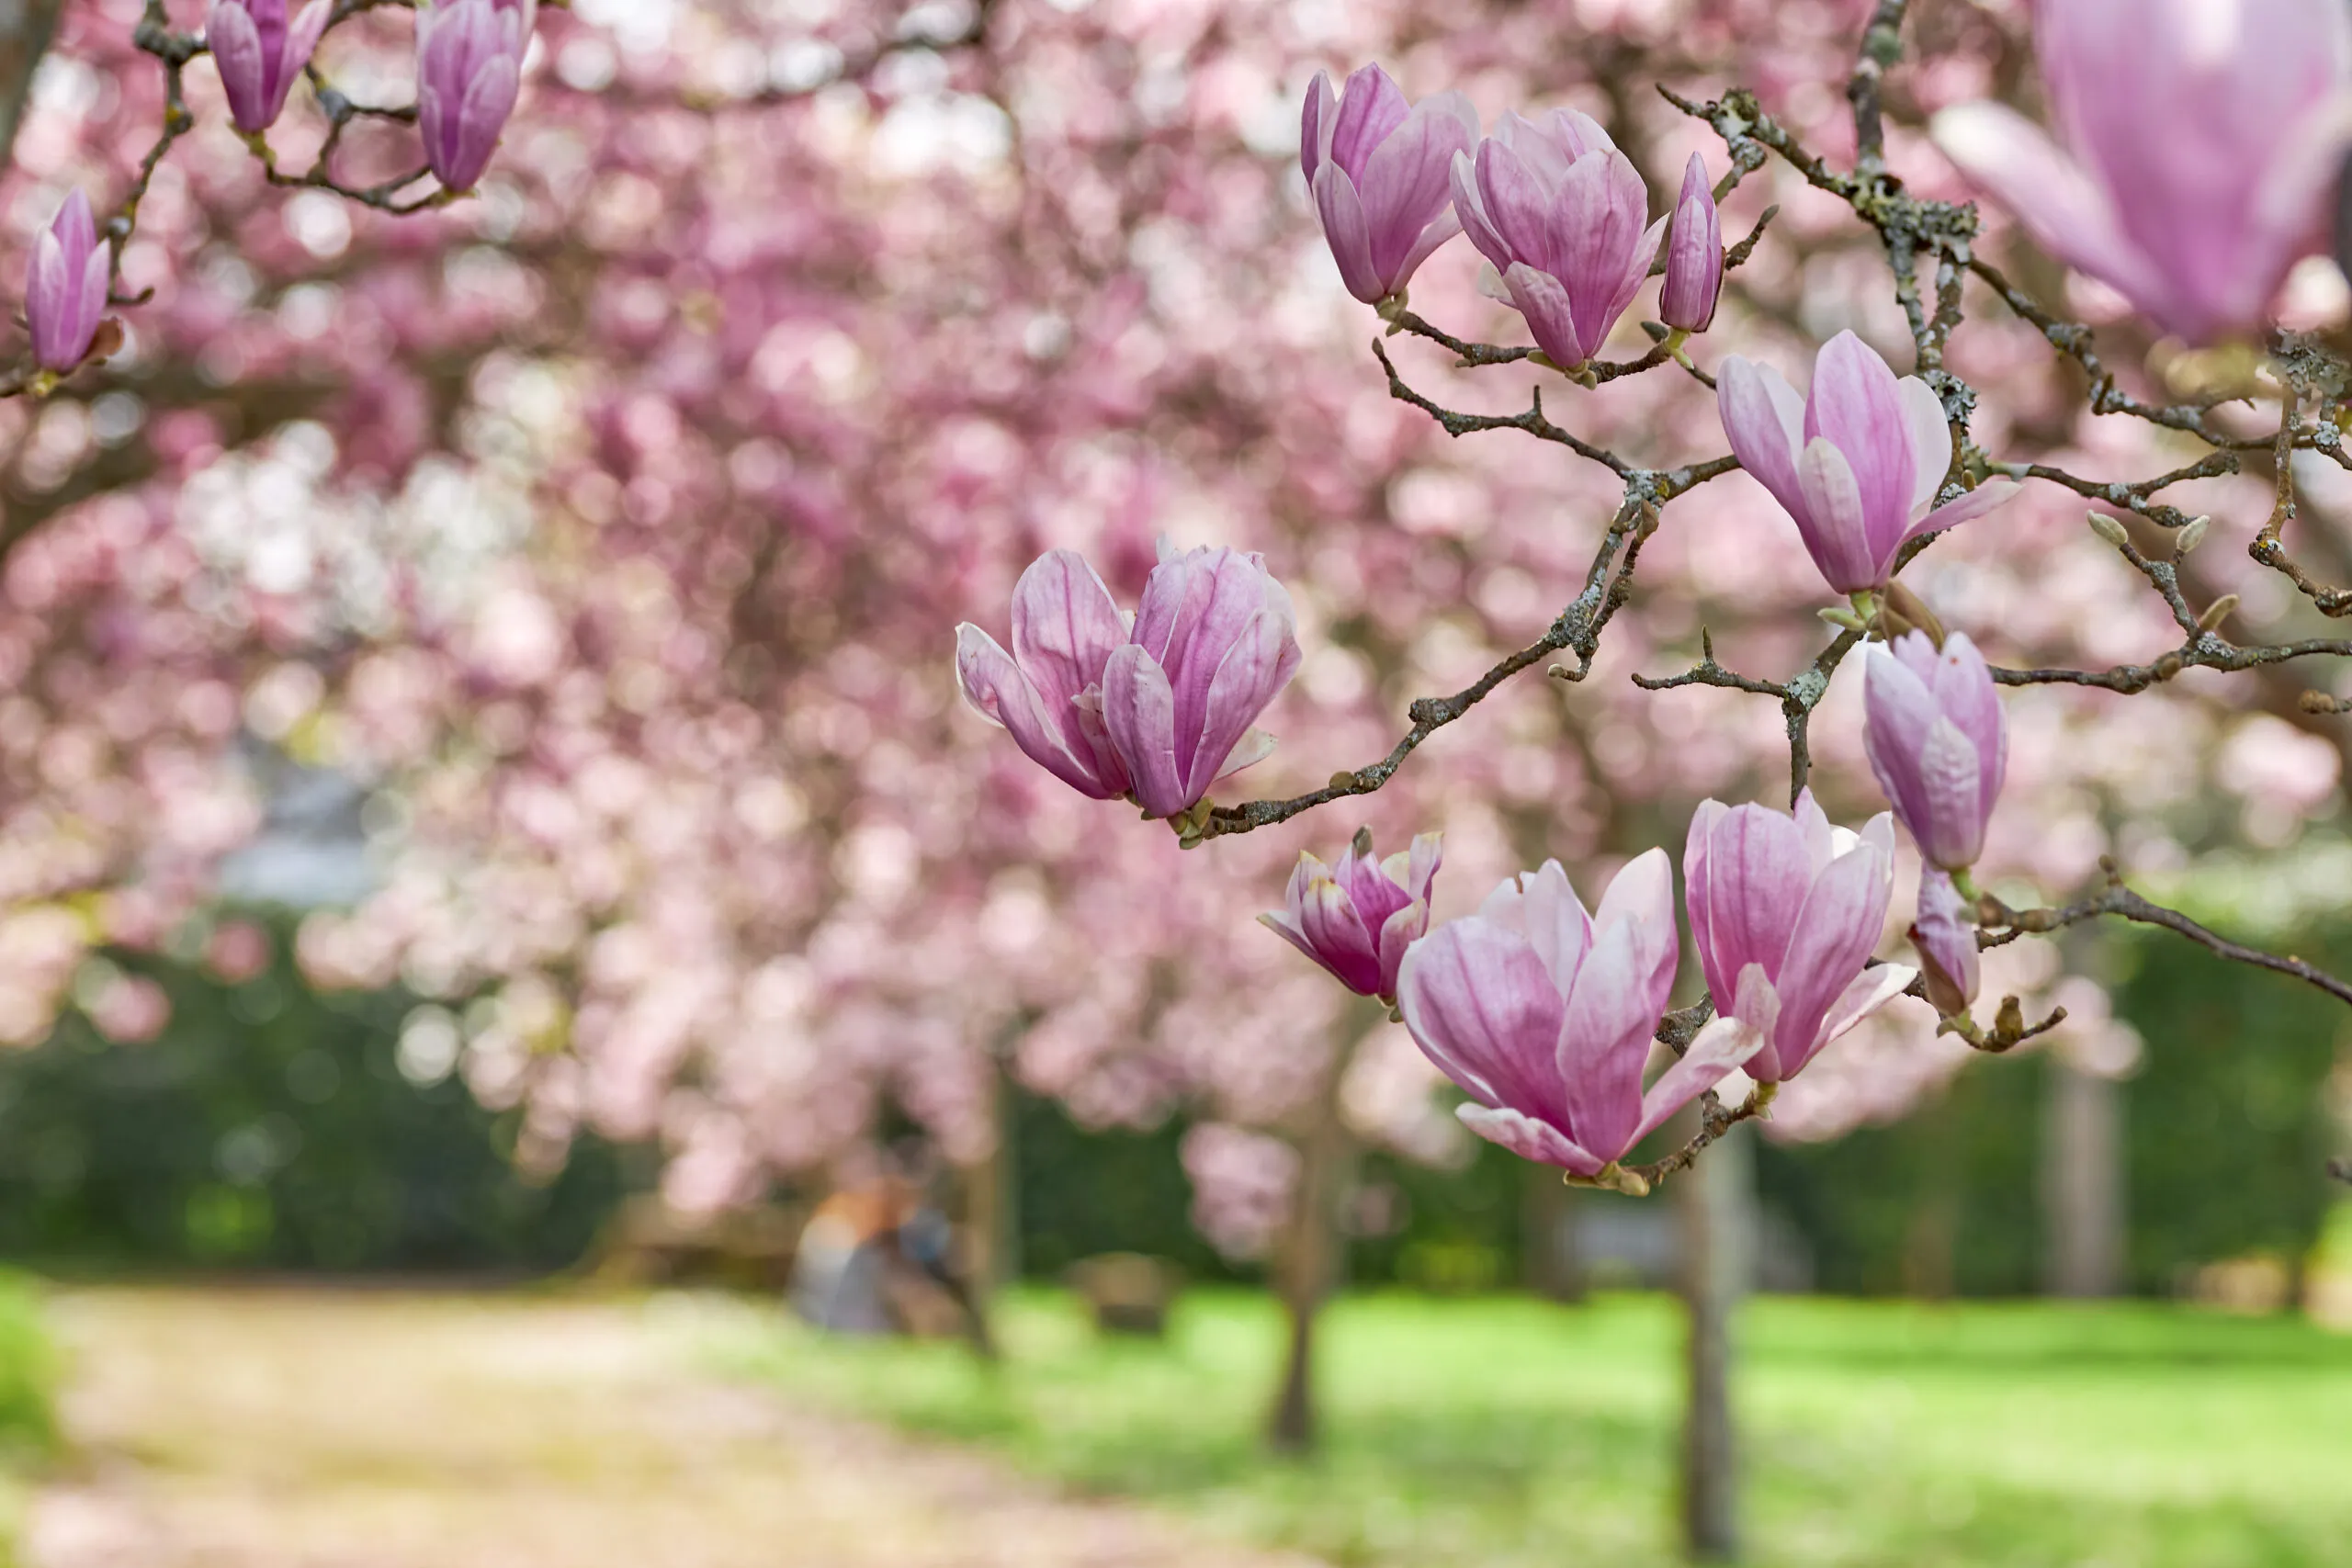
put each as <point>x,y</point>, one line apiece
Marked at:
<point>608,523</point>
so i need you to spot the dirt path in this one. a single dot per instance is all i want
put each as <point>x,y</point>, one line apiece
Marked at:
<point>310,1429</point>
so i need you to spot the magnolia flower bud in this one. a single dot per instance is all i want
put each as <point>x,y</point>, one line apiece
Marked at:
<point>1946,943</point>
<point>65,291</point>
<point>260,54</point>
<point>468,74</point>
<point>1694,255</point>
<point>2220,610</point>
<point>2192,533</point>
<point>2109,529</point>
<point>1932,727</point>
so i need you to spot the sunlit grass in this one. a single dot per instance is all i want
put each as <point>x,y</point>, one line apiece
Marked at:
<point>1509,1432</point>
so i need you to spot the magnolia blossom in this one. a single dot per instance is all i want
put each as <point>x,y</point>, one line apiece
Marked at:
<point>1544,1015</point>
<point>1785,912</point>
<point>1215,640</point>
<point>65,292</point>
<point>2196,141</point>
<point>260,54</point>
<point>1944,935</point>
<point>1857,461</point>
<point>1158,712</point>
<point>1357,919</point>
<point>1377,166</point>
<point>1694,254</point>
<point>1048,691</point>
<point>1558,212</point>
<point>1932,725</point>
<point>468,74</point>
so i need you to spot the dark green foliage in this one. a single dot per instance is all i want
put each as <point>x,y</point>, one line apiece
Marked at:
<point>270,1127</point>
<point>2225,1129</point>
<point>2230,1131</point>
<point>1084,1191</point>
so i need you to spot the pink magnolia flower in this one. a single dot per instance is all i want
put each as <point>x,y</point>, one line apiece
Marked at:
<point>1357,919</point>
<point>1559,212</point>
<point>260,54</point>
<point>1694,254</point>
<point>1932,725</point>
<point>468,74</point>
<point>1215,641</point>
<point>1048,691</point>
<point>1944,933</point>
<point>1545,1014</point>
<point>1857,462</point>
<point>1377,166</point>
<point>65,291</point>
<point>2196,140</point>
<point>1785,912</point>
<point>1158,713</point>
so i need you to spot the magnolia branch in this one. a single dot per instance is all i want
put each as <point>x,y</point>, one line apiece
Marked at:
<point>2002,925</point>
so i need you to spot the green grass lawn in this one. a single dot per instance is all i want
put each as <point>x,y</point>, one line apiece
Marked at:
<point>1508,1432</point>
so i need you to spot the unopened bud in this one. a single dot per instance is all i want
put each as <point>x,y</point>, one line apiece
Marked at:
<point>2107,527</point>
<point>1901,610</point>
<point>2220,610</point>
<point>1362,843</point>
<point>2192,533</point>
<point>2009,1023</point>
<point>2319,701</point>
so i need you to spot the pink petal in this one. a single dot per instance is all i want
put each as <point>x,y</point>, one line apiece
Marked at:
<point>1931,445</point>
<point>1604,1041</point>
<point>1722,1047</point>
<point>1843,917</point>
<point>1528,1138</point>
<point>1543,300</point>
<point>1370,109</point>
<point>236,49</point>
<point>1404,188</point>
<point>1763,419</point>
<point>1317,117</point>
<point>1479,1005</point>
<point>1139,712</point>
<point>1837,537</point>
<point>1545,910</point>
<point>1855,405</point>
<point>1350,237</point>
<point>1065,624</point>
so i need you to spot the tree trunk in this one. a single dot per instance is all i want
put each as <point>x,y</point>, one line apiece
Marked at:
<point>992,1201</point>
<point>1714,1197</point>
<point>2082,1182</point>
<point>1551,1261</point>
<point>25,29</point>
<point>1931,1240</point>
<point>1307,1264</point>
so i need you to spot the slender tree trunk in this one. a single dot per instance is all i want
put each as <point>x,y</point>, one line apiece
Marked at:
<point>1551,1261</point>
<point>1931,1241</point>
<point>1308,1264</point>
<point>26,26</point>
<point>992,1201</point>
<point>2082,1182</point>
<point>1714,1197</point>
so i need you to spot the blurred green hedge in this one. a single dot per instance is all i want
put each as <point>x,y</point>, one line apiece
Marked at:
<point>269,1127</point>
